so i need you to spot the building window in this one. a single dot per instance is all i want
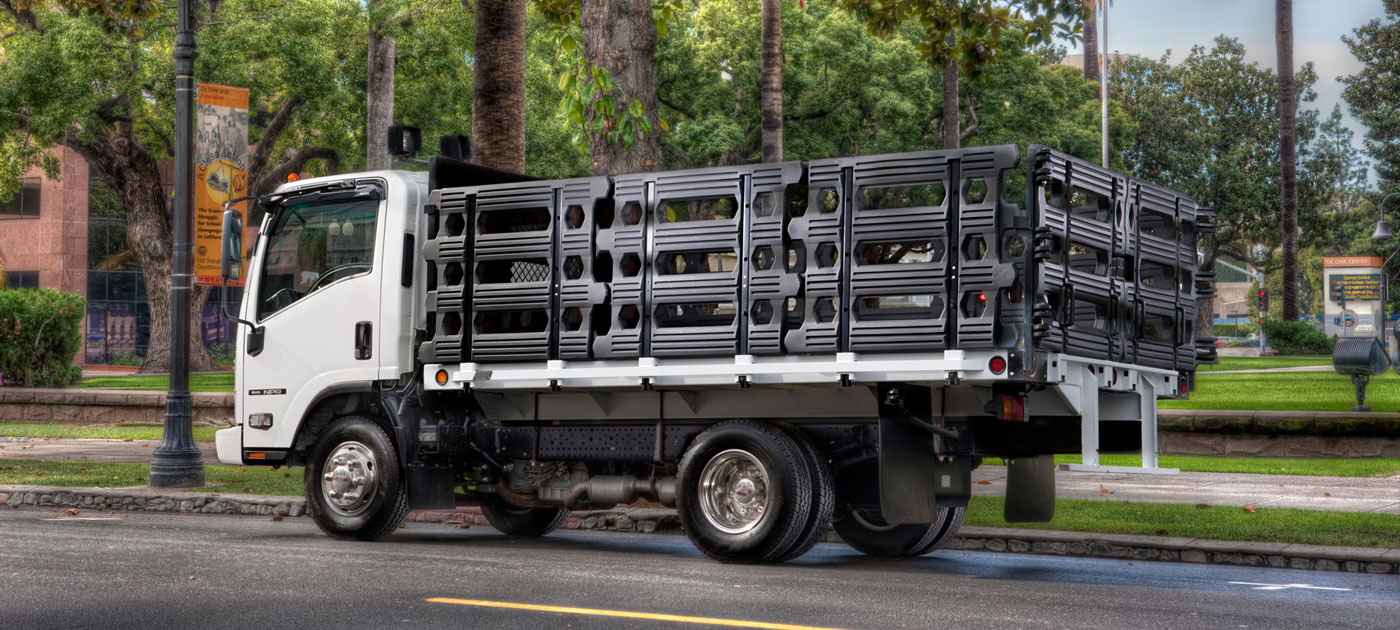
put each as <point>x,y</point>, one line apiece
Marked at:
<point>25,203</point>
<point>21,279</point>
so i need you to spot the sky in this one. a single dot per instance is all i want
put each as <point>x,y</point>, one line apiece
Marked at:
<point>1151,27</point>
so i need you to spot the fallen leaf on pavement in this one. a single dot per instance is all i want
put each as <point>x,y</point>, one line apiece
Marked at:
<point>984,483</point>
<point>1161,532</point>
<point>247,488</point>
<point>128,440</point>
<point>191,578</point>
<point>1104,490</point>
<point>1202,506</point>
<point>1250,509</point>
<point>1327,494</point>
<point>145,446</point>
<point>463,526</point>
<point>274,517</point>
<point>140,479</point>
<point>72,512</point>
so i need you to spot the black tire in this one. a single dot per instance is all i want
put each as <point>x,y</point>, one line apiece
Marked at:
<point>363,447</point>
<point>868,533</point>
<point>523,521</point>
<point>823,496</point>
<point>946,532</point>
<point>784,487</point>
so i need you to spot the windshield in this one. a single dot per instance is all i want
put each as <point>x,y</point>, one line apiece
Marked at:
<point>312,245</point>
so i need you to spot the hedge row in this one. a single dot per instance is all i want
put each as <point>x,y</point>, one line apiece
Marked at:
<point>40,333</point>
<point>1290,338</point>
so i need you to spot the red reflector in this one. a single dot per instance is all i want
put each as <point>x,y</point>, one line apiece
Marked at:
<point>997,364</point>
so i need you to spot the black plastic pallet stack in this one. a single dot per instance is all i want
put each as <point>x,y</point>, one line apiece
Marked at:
<point>770,287</point>
<point>583,294</point>
<point>621,324</point>
<point>447,286</point>
<point>1082,252</point>
<point>886,253</point>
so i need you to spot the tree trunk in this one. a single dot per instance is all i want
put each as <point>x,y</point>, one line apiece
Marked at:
<point>620,36</point>
<point>771,101</point>
<point>132,172</point>
<point>952,125</point>
<point>1091,41</point>
<point>379,97</point>
<point>951,131</point>
<point>498,90</point>
<point>1288,139</point>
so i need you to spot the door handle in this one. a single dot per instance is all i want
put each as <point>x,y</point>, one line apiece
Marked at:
<point>364,335</point>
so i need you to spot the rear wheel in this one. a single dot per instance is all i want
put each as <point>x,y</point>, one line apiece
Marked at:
<point>946,532</point>
<point>823,496</point>
<point>867,531</point>
<point>744,492</point>
<point>354,487</point>
<point>523,521</point>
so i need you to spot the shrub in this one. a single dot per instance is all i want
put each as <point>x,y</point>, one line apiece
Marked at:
<point>40,333</point>
<point>1235,330</point>
<point>1297,338</point>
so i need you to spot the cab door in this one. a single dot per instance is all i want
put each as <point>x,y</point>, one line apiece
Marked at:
<point>314,298</point>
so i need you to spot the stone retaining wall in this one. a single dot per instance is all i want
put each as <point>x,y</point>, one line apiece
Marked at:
<point>106,406</point>
<point>1278,433</point>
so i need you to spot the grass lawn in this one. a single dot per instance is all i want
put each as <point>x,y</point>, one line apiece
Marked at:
<point>1264,363</point>
<point>117,432</point>
<point>1360,467</point>
<point>234,479</point>
<point>217,382</point>
<point>1283,525</point>
<point>1288,391</point>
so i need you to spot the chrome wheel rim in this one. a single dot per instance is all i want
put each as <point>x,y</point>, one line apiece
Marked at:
<point>734,491</point>
<point>349,481</point>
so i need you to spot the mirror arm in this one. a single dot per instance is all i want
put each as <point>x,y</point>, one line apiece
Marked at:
<point>223,281</point>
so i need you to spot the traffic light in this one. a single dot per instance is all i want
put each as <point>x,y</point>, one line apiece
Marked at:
<point>1263,304</point>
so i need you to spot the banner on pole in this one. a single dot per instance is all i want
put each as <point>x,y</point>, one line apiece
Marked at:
<point>220,173</point>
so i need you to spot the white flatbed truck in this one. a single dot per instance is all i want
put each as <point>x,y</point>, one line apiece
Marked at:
<point>768,348</point>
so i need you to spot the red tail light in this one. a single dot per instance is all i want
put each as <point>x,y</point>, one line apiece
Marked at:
<point>1013,408</point>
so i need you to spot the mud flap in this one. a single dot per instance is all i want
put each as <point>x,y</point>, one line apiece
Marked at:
<point>908,466</point>
<point>1030,489</point>
<point>430,488</point>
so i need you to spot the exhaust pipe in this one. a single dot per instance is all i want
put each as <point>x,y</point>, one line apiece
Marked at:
<point>600,491</point>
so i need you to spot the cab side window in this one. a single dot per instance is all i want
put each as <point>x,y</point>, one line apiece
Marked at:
<point>311,246</point>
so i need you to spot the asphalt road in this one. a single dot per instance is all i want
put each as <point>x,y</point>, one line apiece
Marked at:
<point>186,571</point>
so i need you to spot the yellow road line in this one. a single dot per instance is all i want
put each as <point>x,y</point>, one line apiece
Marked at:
<point>625,613</point>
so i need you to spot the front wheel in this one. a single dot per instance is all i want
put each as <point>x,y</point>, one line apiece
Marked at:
<point>354,487</point>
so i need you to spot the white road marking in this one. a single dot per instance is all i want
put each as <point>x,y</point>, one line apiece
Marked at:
<point>1260,586</point>
<point>83,518</point>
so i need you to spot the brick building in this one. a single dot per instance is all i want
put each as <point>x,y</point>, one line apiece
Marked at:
<point>69,234</point>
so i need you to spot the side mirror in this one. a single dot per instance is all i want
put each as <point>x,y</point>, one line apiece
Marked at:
<point>231,252</point>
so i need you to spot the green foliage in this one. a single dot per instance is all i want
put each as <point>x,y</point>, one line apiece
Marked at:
<point>232,479</point>
<point>1235,330</point>
<point>1372,93</point>
<point>206,382</point>
<point>1296,337</point>
<point>40,333</point>
<point>224,354</point>
<point>847,91</point>
<point>1208,126</point>
<point>980,25</point>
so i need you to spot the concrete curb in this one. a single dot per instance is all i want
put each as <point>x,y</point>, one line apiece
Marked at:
<point>666,521</point>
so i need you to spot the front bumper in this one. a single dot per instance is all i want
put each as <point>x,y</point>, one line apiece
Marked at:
<point>229,443</point>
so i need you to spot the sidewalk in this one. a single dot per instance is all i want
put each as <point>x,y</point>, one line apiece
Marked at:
<point>1343,494</point>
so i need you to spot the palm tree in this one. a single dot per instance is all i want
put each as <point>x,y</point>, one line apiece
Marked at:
<point>771,101</point>
<point>1288,140</point>
<point>1091,41</point>
<point>498,89</point>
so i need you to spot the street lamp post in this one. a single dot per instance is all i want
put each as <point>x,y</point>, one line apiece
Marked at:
<point>177,462</point>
